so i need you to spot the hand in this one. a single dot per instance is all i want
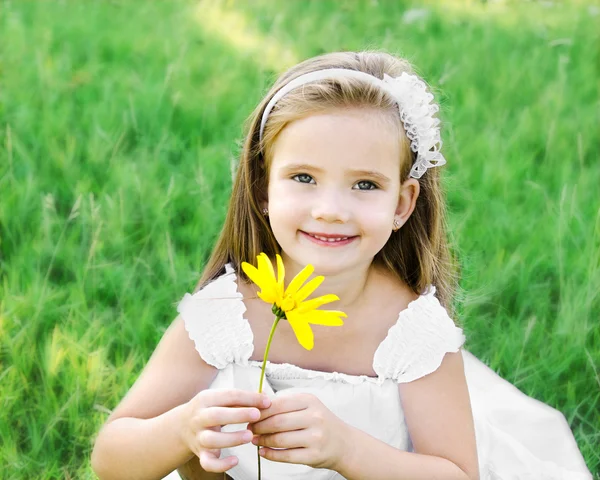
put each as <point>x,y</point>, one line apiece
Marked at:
<point>207,412</point>
<point>307,430</point>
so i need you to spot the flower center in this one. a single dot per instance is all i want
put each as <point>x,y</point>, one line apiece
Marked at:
<point>288,303</point>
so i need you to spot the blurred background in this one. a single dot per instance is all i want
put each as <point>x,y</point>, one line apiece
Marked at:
<point>120,126</point>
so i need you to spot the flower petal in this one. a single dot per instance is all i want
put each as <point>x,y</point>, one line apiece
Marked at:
<point>316,303</point>
<point>299,279</point>
<point>254,274</point>
<point>263,279</point>
<point>268,295</point>
<point>301,329</point>
<point>280,274</point>
<point>265,266</point>
<point>309,288</point>
<point>325,317</point>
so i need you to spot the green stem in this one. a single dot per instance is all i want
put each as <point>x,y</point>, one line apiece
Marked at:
<point>264,364</point>
<point>262,374</point>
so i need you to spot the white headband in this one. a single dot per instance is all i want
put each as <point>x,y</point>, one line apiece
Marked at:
<point>413,101</point>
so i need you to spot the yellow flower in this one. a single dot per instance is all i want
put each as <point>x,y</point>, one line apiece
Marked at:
<point>289,303</point>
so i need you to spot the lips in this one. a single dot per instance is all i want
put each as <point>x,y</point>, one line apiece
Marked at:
<point>329,239</point>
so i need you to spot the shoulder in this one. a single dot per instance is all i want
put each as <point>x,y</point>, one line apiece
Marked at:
<point>415,346</point>
<point>214,319</point>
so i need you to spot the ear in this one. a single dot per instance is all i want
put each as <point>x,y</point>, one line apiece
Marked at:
<point>263,198</point>
<point>409,192</point>
<point>263,189</point>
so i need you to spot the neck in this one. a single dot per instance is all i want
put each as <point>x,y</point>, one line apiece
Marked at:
<point>349,285</point>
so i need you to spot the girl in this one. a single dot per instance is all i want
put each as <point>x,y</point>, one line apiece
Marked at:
<point>340,170</point>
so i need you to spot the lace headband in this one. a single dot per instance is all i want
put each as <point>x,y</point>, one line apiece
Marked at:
<point>415,109</point>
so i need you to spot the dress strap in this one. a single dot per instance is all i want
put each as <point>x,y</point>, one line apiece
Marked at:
<point>214,320</point>
<point>415,346</point>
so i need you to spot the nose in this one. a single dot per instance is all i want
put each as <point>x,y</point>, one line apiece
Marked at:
<point>331,207</point>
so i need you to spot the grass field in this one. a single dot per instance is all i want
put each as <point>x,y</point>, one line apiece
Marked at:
<point>119,130</point>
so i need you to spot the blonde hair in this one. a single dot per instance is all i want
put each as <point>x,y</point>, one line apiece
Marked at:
<point>418,254</point>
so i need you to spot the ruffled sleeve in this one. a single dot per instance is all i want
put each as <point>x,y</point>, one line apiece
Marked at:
<point>415,346</point>
<point>214,320</point>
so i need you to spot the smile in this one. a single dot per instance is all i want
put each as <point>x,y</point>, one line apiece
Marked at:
<point>330,242</point>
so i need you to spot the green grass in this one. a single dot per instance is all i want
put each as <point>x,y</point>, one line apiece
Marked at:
<point>119,128</point>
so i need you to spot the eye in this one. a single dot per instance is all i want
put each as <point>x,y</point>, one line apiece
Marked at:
<point>370,185</point>
<point>303,176</point>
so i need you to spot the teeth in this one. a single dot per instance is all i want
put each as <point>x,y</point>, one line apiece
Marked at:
<point>329,239</point>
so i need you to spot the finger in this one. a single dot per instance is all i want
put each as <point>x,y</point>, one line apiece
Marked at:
<point>284,404</point>
<point>216,440</point>
<point>234,398</point>
<point>282,422</point>
<point>295,439</point>
<point>211,463</point>
<point>292,455</point>
<point>214,416</point>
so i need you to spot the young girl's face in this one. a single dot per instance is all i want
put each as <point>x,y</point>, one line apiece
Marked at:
<point>334,174</point>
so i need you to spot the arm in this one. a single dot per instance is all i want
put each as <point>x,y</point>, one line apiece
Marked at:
<point>141,438</point>
<point>438,414</point>
<point>137,448</point>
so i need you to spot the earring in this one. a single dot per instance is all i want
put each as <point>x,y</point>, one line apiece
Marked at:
<point>396,226</point>
<point>265,212</point>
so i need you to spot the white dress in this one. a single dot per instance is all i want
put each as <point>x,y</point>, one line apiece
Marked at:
<point>517,436</point>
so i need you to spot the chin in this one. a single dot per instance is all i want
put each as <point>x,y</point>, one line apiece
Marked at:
<point>329,265</point>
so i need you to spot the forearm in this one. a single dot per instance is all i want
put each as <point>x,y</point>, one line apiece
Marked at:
<point>136,448</point>
<point>376,460</point>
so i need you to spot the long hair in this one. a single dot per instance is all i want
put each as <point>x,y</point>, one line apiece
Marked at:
<point>418,254</point>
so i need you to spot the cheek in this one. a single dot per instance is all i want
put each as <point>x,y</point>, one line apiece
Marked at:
<point>376,212</point>
<point>283,198</point>
<point>285,206</point>
<point>378,223</point>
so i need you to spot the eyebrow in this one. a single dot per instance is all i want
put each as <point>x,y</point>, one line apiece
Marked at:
<point>380,177</point>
